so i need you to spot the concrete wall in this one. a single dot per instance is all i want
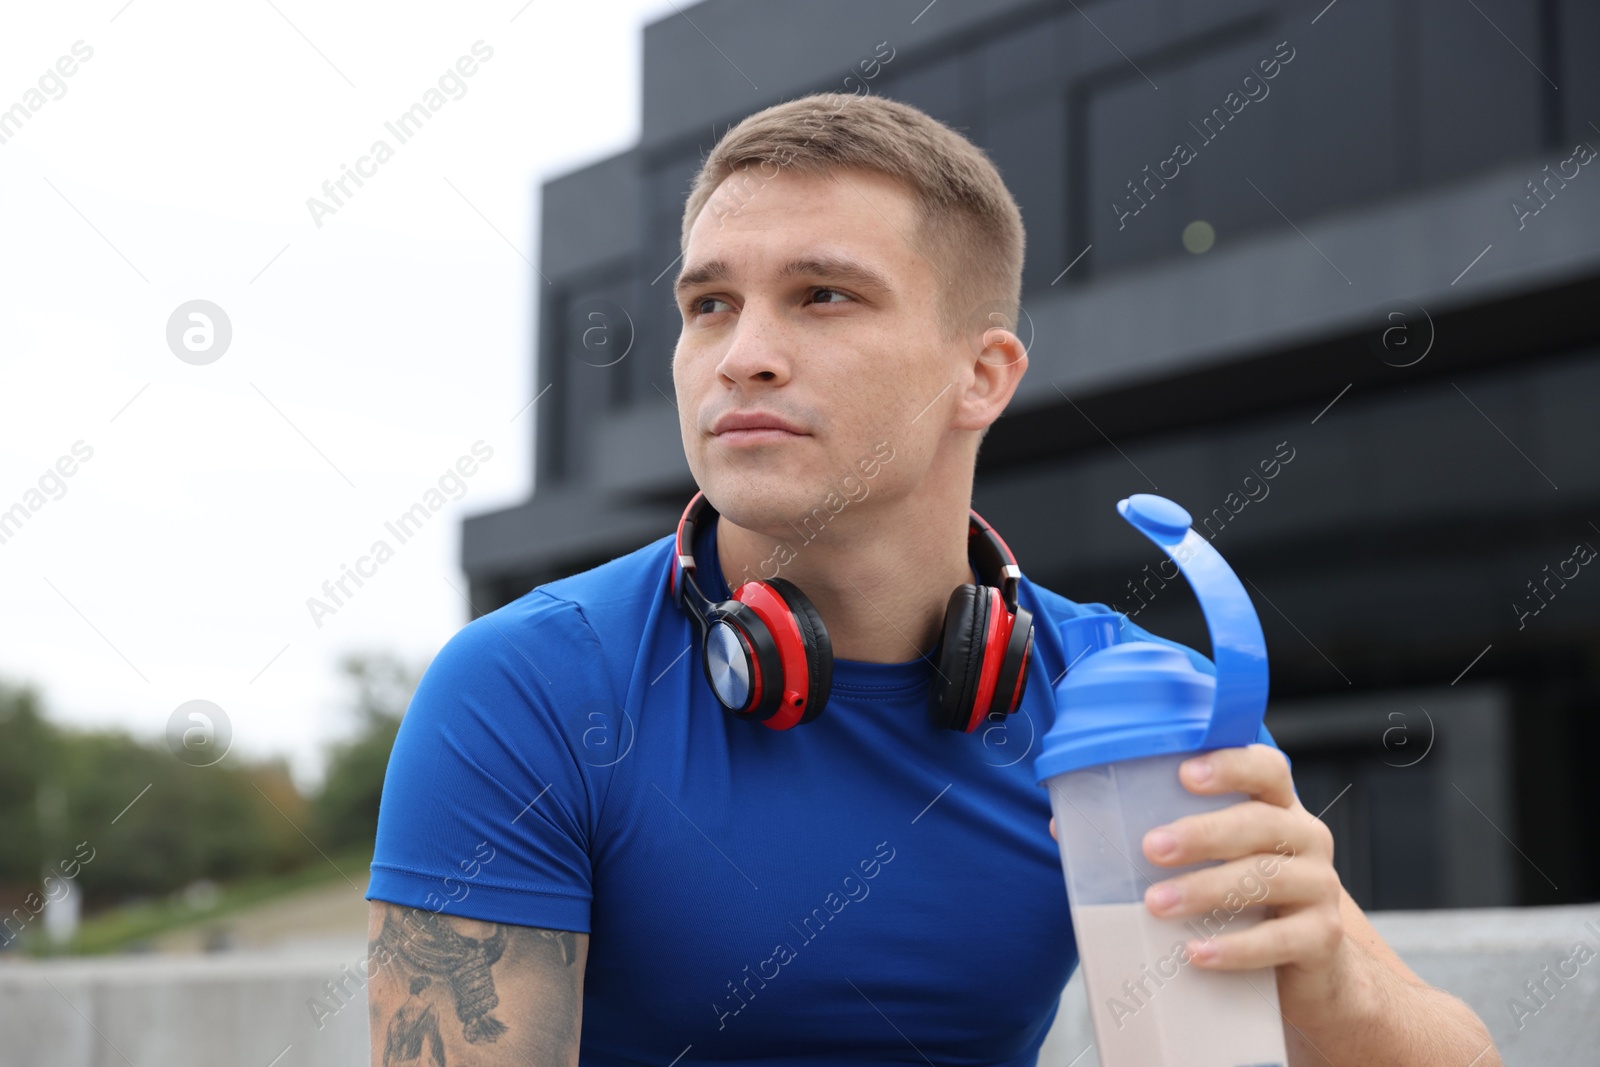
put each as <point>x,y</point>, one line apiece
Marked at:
<point>250,1010</point>
<point>236,1009</point>
<point>1482,955</point>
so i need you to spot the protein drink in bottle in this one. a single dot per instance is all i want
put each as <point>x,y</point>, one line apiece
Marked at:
<point>1127,714</point>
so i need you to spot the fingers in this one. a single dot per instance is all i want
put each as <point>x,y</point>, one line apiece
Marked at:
<point>1221,892</point>
<point>1308,937</point>
<point>1053,827</point>
<point>1251,826</point>
<point>1257,770</point>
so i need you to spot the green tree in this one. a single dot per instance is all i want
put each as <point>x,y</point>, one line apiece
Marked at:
<point>346,808</point>
<point>124,818</point>
<point>157,824</point>
<point>28,750</point>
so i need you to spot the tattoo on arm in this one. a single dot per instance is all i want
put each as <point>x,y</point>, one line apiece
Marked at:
<point>444,969</point>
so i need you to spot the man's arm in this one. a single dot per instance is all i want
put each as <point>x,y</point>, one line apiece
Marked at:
<point>444,989</point>
<point>1379,1011</point>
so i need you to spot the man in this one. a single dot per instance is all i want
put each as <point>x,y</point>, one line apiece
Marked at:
<point>582,856</point>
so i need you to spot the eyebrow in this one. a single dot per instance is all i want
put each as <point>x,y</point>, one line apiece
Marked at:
<point>834,267</point>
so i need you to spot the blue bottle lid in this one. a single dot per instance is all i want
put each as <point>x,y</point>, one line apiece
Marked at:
<point>1127,699</point>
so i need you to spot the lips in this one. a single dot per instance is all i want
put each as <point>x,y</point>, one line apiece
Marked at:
<point>753,420</point>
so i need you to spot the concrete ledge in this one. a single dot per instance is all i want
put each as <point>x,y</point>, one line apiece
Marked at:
<point>250,1009</point>
<point>1481,955</point>
<point>244,1009</point>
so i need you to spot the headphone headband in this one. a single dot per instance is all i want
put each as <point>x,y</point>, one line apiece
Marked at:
<point>995,564</point>
<point>767,655</point>
<point>686,593</point>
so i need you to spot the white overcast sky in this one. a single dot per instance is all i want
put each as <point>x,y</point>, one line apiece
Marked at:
<point>367,355</point>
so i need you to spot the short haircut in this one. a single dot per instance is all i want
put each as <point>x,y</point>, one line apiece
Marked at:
<point>968,225</point>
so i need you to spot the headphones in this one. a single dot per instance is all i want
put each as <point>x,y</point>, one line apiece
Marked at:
<point>767,655</point>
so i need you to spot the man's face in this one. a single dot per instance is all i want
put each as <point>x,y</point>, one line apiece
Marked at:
<point>818,311</point>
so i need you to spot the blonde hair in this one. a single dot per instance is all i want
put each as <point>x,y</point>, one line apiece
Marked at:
<point>968,224</point>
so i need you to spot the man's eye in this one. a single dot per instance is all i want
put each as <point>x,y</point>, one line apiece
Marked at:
<point>698,306</point>
<point>826,289</point>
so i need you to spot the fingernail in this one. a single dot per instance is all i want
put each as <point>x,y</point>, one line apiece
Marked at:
<point>1202,951</point>
<point>1162,842</point>
<point>1200,770</point>
<point>1163,897</point>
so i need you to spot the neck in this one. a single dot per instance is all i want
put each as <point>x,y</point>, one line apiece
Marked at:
<point>880,572</point>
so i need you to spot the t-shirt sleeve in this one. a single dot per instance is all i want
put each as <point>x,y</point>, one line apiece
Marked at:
<point>488,805</point>
<point>1132,631</point>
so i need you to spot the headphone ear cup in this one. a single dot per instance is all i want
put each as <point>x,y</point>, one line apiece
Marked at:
<point>740,648</point>
<point>966,621</point>
<point>818,646</point>
<point>1014,668</point>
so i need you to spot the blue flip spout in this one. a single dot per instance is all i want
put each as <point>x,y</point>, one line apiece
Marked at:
<point>1123,699</point>
<point>1238,648</point>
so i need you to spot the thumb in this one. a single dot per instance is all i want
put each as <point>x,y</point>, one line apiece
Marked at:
<point>1053,828</point>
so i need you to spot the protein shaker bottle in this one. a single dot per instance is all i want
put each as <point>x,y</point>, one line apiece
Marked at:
<point>1127,713</point>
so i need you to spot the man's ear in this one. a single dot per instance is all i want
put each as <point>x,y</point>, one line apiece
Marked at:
<point>1001,348</point>
<point>997,369</point>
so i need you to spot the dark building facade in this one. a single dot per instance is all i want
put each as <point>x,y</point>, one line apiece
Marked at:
<point>1327,276</point>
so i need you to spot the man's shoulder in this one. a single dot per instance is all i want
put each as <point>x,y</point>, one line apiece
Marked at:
<point>1056,608</point>
<point>1053,605</point>
<point>1051,608</point>
<point>623,583</point>
<point>618,589</point>
<point>564,624</point>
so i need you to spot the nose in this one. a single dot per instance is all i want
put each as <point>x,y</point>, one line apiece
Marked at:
<point>758,351</point>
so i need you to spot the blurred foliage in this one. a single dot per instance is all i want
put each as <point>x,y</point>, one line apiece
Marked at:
<point>27,750</point>
<point>132,825</point>
<point>346,809</point>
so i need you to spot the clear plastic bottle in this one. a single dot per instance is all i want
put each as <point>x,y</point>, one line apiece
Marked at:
<point>1127,714</point>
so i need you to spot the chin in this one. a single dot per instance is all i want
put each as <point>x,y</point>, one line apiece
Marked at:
<point>757,501</point>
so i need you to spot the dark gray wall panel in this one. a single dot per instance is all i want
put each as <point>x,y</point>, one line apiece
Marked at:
<point>590,217</point>
<point>1132,127</point>
<point>784,49</point>
<point>1028,144</point>
<point>1479,99</point>
<point>1577,44</point>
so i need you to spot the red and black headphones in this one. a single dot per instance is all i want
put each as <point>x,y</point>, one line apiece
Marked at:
<point>767,655</point>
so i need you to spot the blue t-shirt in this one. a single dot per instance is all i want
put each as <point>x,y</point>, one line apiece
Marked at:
<point>866,887</point>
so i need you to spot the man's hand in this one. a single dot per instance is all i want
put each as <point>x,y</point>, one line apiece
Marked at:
<point>1344,993</point>
<point>1271,832</point>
